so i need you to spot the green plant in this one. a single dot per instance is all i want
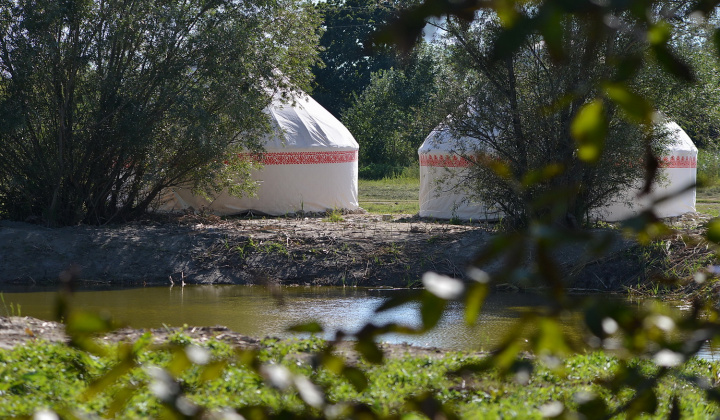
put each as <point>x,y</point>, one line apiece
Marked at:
<point>94,138</point>
<point>334,216</point>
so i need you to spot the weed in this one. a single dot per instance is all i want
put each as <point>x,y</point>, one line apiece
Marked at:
<point>275,247</point>
<point>12,309</point>
<point>334,216</point>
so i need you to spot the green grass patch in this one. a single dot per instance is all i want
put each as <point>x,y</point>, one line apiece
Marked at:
<point>55,376</point>
<point>708,199</point>
<point>390,195</point>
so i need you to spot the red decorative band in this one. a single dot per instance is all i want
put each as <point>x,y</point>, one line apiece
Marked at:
<point>446,161</point>
<point>455,161</point>
<point>678,162</point>
<point>302,158</point>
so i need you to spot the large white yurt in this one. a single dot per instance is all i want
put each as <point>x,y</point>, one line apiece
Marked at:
<point>443,170</point>
<point>310,164</point>
<point>678,171</point>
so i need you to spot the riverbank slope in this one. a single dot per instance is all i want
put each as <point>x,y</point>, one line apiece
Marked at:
<point>365,250</point>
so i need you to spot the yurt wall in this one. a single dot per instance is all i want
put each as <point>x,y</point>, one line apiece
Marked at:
<point>443,170</point>
<point>310,164</point>
<point>678,171</point>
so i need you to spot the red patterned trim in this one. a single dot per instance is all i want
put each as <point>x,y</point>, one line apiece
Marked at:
<point>678,162</point>
<point>302,158</point>
<point>455,161</point>
<point>447,161</point>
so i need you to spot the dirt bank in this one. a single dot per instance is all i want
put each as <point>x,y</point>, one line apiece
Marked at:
<point>360,250</point>
<point>16,331</point>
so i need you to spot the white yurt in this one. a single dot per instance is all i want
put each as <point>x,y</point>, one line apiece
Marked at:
<point>310,164</point>
<point>678,171</point>
<point>443,170</point>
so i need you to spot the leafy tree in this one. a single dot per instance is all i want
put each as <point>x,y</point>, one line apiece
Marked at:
<point>105,104</point>
<point>695,106</point>
<point>394,114</point>
<point>522,110</point>
<point>349,51</point>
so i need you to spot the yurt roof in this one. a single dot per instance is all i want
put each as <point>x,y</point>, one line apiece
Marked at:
<point>680,141</point>
<point>304,124</point>
<point>444,140</point>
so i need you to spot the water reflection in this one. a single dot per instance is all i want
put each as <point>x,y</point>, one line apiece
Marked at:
<point>260,312</point>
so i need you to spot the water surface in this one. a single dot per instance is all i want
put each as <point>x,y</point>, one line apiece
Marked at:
<point>261,312</point>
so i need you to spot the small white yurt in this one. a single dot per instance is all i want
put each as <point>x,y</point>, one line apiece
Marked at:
<point>443,172</point>
<point>310,164</point>
<point>678,171</point>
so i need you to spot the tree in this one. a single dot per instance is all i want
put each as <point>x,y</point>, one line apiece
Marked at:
<point>393,115</point>
<point>525,109</point>
<point>105,104</point>
<point>695,106</point>
<point>349,51</point>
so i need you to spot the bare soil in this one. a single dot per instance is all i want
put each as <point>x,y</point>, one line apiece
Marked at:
<point>17,331</point>
<point>365,250</point>
<point>361,250</point>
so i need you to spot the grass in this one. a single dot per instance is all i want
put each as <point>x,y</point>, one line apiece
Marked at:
<point>58,377</point>
<point>334,216</point>
<point>391,195</point>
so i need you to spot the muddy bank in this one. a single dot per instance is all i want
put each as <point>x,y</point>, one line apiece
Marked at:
<point>361,250</point>
<point>16,331</point>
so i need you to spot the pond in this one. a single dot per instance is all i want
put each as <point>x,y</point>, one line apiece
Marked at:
<point>260,312</point>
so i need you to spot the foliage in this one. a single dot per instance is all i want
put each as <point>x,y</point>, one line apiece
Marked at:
<point>105,104</point>
<point>398,109</point>
<point>216,379</point>
<point>349,52</point>
<point>708,167</point>
<point>653,372</point>
<point>523,111</point>
<point>694,106</point>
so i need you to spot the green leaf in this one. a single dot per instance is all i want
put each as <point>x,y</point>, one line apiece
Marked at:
<point>356,377</point>
<point>474,301</point>
<point>369,350</point>
<point>213,370</point>
<point>431,310</point>
<point>552,32</point>
<point>83,323</point>
<point>637,108</point>
<point>179,363</point>
<point>659,33</point>
<point>550,338</point>
<point>645,402</point>
<point>713,231</point>
<point>672,64</point>
<point>104,382</point>
<point>512,37</point>
<point>395,301</point>
<point>310,327</point>
<point>589,129</point>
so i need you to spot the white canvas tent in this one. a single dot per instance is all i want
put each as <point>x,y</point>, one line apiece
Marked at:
<point>310,164</point>
<point>678,171</point>
<point>443,170</point>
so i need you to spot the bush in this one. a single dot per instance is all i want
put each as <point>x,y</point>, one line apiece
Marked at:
<point>708,167</point>
<point>103,105</point>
